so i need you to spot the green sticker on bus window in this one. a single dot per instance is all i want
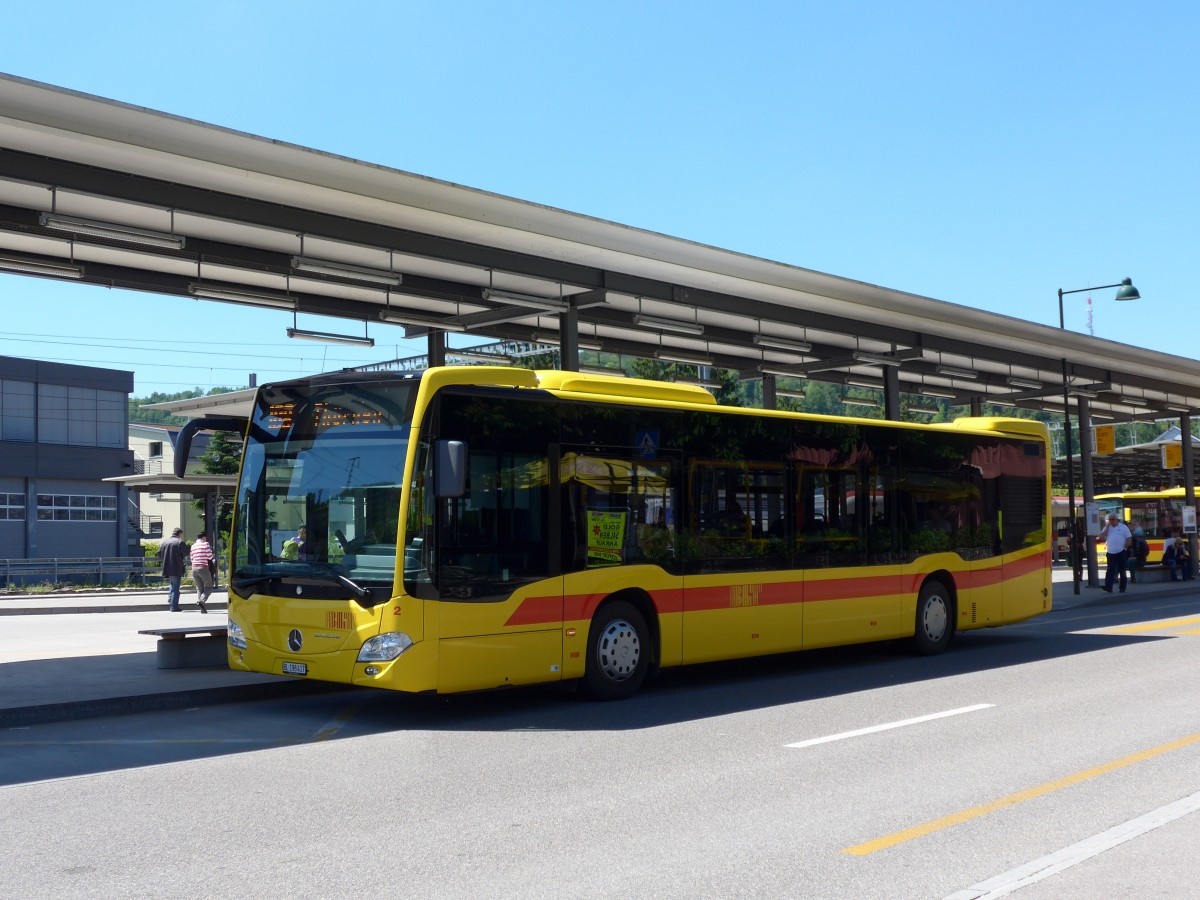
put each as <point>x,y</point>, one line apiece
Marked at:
<point>606,537</point>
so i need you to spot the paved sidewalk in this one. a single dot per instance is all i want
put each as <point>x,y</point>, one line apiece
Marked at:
<point>60,660</point>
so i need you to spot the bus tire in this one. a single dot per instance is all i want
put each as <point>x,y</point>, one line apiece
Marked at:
<point>935,619</point>
<point>618,652</point>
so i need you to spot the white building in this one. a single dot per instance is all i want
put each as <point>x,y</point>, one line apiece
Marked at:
<point>155,514</point>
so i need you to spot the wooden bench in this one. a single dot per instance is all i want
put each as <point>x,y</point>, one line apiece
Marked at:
<point>190,647</point>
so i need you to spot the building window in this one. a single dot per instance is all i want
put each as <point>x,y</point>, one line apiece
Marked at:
<point>12,507</point>
<point>76,508</point>
<point>17,413</point>
<point>156,449</point>
<point>81,417</point>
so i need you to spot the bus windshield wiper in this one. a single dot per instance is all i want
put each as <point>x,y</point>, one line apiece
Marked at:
<point>361,594</point>
<point>250,581</point>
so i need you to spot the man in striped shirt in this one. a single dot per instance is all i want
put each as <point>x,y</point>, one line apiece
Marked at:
<point>202,555</point>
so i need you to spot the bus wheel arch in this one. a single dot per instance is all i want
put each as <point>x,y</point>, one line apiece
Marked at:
<point>936,614</point>
<point>621,646</point>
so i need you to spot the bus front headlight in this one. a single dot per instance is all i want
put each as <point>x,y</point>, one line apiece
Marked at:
<point>236,638</point>
<point>384,647</point>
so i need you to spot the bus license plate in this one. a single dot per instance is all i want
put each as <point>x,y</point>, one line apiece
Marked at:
<point>294,668</point>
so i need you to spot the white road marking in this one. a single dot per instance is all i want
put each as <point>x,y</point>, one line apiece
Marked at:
<point>888,726</point>
<point>1030,873</point>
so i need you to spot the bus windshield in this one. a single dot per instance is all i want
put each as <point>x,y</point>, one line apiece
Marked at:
<point>319,495</point>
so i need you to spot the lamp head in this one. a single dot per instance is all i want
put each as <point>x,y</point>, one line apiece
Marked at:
<point>1127,291</point>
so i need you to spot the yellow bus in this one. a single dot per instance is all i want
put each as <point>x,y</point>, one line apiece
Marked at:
<point>1158,513</point>
<point>474,527</point>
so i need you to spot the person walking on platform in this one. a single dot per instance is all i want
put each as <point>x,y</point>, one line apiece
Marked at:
<point>173,554</point>
<point>203,564</point>
<point>1118,539</point>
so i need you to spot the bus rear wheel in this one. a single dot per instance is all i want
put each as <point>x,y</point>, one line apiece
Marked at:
<point>618,654</point>
<point>935,619</point>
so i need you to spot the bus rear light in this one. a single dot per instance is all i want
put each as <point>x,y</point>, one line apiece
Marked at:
<point>384,647</point>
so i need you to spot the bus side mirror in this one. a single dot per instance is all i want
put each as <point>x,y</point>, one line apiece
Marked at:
<point>449,468</point>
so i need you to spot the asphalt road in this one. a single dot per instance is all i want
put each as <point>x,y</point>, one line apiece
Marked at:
<point>1065,751</point>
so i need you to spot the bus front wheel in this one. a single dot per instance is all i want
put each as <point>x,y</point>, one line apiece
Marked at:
<point>618,655</point>
<point>935,619</point>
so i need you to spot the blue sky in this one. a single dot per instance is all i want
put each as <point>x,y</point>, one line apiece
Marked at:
<point>980,153</point>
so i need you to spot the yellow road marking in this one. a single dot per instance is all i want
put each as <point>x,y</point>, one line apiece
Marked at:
<point>342,719</point>
<point>1153,626</point>
<point>1041,790</point>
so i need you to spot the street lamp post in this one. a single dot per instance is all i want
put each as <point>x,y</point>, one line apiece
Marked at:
<point>1125,291</point>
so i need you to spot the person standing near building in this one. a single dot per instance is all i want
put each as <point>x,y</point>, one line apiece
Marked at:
<point>1118,539</point>
<point>202,566</point>
<point>173,554</point>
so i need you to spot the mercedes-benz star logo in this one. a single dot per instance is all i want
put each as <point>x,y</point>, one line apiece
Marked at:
<point>295,640</point>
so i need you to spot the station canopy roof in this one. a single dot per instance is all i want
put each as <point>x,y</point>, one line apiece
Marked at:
<point>106,193</point>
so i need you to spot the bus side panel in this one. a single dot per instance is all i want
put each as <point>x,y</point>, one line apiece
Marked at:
<point>491,643</point>
<point>853,606</point>
<point>1027,586</point>
<point>499,660</point>
<point>747,614</point>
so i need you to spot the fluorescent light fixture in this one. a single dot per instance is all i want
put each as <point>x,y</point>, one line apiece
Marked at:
<point>1000,401</point>
<point>939,393</point>
<point>1170,407</point>
<point>479,357</point>
<point>1084,392</point>
<point>1024,383</point>
<point>956,372</point>
<point>783,371</point>
<point>921,408</point>
<point>790,395</point>
<point>873,385</point>
<point>601,370</point>
<point>860,401</point>
<point>345,270</point>
<point>32,267</point>
<point>397,317</point>
<point>766,340</point>
<point>1101,415</point>
<point>250,298</point>
<point>326,337</point>
<point>1133,401</point>
<point>668,324</point>
<point>550,303</point>
<point>125,233</point>
<point>582,343</point>
<point>682,356</point>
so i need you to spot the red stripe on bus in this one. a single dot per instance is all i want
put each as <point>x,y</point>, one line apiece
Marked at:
<point>579,607</point>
